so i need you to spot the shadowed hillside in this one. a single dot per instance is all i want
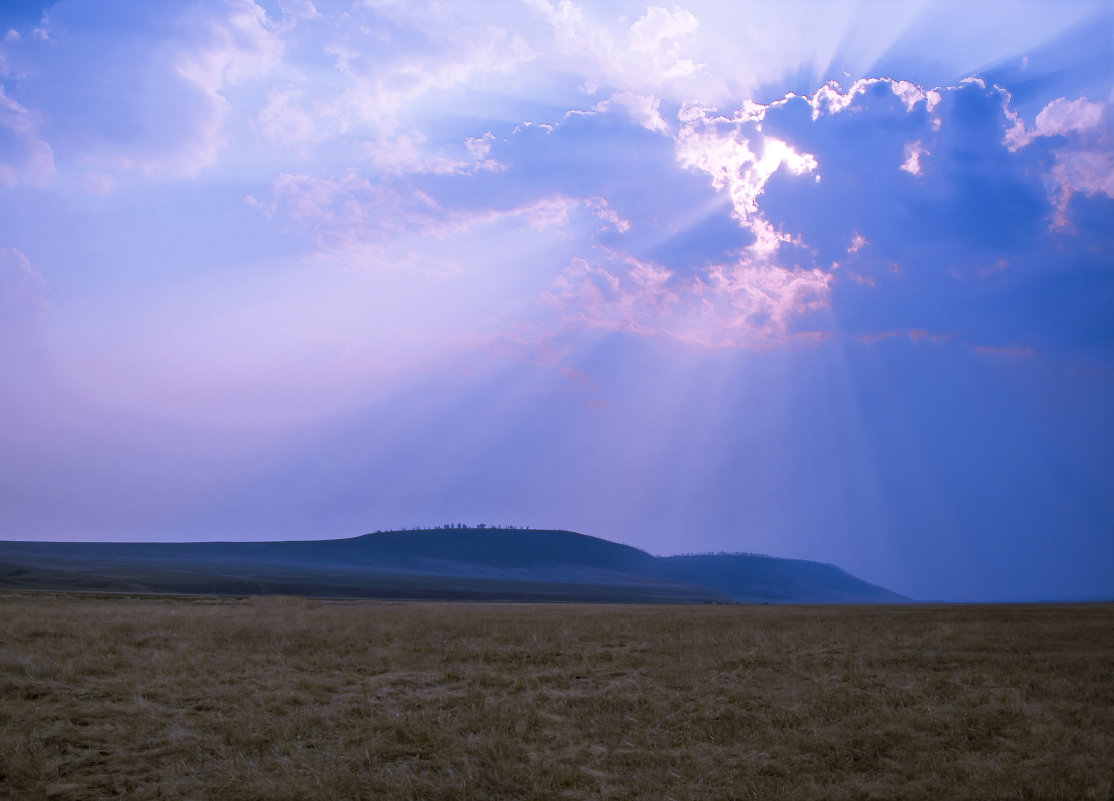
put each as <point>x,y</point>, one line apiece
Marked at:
<point>750,578</point>
<point>462,563</point>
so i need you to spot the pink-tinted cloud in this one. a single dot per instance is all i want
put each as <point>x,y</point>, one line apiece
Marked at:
<point>603,211</point>
<point>22,288</point>
<point>578,377</point>
<point>1059,118</point>
<point>913,153</point>
<point>27,159</point>
<point>343,211</point>
<point>623,294</point>
<point>760,300</point>
<point>1085,164</point>
<point>1090,172</point>
<point>1062,116</point>
<point>360,220</point>
<point>721,147</point>
<point>748,304</point>
<point>400,154</point>
<point>923,335</point>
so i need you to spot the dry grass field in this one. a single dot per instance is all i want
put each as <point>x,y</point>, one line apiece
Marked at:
<point>163,698</point>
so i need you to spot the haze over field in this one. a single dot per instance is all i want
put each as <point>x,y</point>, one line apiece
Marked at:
<point>823,281</point>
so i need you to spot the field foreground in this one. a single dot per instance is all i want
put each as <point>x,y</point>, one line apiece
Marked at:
<point>280,698</point>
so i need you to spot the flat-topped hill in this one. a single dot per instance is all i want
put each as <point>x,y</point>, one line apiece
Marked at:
<point>462,563</point>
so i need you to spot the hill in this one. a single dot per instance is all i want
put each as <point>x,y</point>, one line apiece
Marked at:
<point>466,564</point>
<point>750,578</point>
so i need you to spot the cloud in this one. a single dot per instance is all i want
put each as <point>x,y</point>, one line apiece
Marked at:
<point>1063,116</point>
<point>299,9</point>
<point>747,304</point>
<point>643,109</point>
<point>1059,118</point>
<point>1090,172</point>
<point>1084,163</point>
<point>351,215</point>
<point>831,100</point>
<point>602,209</point>
<point>382,74</point>
<point>480,149</point>
<point>913,153</point>
<point>379,92</point>
<point>641,57</point>
<point>402,154</point>
<point>973,204</point>
<point>283,121</point>
<point>659,33</point>
<point>635,298</point>
<point>372,224</point>
<point>22,291</point>
<point>402,132</point>
<point>761,296</point>
<point>162,103</point>
<point>717,146</point>
<point>758,301</point>
<point>236,48</point>
<point>10,37</point>
<point>25,158</point>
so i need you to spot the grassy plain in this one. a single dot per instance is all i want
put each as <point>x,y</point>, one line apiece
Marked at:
<point>280,698</point>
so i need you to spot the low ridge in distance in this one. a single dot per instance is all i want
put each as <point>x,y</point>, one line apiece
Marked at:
<point>477,563</point>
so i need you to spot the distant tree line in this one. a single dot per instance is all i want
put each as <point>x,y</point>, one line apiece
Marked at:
<point>725,553</point>
<point>452,527</point>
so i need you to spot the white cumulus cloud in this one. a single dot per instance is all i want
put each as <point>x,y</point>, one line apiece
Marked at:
<point>831,99</point>
<point>718,146</point>
<point>1059,118</point>
<point>641,57</point>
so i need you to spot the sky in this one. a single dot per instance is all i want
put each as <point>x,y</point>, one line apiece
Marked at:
<point>831,281</point>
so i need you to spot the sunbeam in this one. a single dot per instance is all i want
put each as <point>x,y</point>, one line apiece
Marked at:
<point>828,281</point>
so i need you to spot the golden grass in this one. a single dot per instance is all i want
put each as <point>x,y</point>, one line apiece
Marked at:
<point>161,698</point>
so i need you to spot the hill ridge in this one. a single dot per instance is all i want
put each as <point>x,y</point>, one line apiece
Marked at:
<point>479,563</point>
